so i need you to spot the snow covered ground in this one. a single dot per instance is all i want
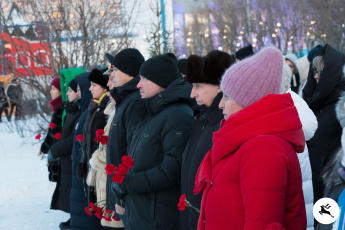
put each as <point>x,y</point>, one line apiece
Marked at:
<point>25,191</point>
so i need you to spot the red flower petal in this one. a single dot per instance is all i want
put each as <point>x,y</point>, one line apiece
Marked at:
<point>118,177</point>
<point>98,211</point>
<point>99,132</point>
<point>87,210</point>
<point>92,206</point>
<point>99,216</point>
<point>52,125</point>
<point>109,169</point>
<point>79,137</point>
<point>115,218</point>
<point>107,218</point>
<point>182,204</point>
<point>98,139</point>
<point>104,140</point>
<point>123,169</point>
<point>128,161</point>
<point>57,136</point>
<point>38,136</point>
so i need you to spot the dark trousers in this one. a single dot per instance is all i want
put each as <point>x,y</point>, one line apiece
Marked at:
<point>18,114</point>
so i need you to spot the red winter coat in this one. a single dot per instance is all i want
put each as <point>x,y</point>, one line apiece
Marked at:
<point>251,176</point>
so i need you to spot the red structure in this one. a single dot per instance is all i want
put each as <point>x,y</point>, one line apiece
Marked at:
<point>26,58</point>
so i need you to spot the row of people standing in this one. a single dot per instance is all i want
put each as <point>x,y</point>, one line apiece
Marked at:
<point>153,123</point>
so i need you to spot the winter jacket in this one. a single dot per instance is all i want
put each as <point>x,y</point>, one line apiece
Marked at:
<point>199,144</point>
<point>330,176</point>
<point>98,162</point>
<point>95,119</point>
<point>50,139</point>
<point>251,177</point>
<point>63,149</point>
<point>309,126</point>
<point>121,130</point>
<point>322,98</point>
<point>152,186</point>
<point>79,219</point>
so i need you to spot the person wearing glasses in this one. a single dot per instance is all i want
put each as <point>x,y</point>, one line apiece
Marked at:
<point>324,86</point>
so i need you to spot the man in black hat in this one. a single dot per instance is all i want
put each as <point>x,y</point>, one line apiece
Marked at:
<point>205,74</point>
<point>126,65</point>
<point>244,52</point>
<point>152,186</point>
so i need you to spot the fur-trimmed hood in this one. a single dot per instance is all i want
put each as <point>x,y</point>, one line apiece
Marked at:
<point>330,175</point>
<point>340,110</point>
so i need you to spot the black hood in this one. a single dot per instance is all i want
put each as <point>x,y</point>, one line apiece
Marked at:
<point>331,82</point>
<point>84,84</point>
<point>118,93</point>
<point>177,91</point>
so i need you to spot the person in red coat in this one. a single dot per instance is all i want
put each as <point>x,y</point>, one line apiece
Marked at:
<point>251,177</point>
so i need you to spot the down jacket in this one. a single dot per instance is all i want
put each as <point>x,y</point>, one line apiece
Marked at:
<point>152,186</point>
<point>98,162</point>
<point>309,126</point>
<point>251,177</point>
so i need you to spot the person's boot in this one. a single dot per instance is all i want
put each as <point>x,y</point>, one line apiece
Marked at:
<point>65,225</point>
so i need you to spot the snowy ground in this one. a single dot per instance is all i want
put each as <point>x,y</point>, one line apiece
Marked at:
<point>25,191</point>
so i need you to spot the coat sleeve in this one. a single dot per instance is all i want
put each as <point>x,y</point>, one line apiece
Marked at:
<point>263,184</point>
<point>175,135</point>
<point>50,139</point>
<point>62,147</point>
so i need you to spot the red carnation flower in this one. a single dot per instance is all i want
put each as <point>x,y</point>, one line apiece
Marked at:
<point>38,136</point>
<point>182,204</point>
<point>104,140</point>
<point>99,132</point>
<point>109,169</point>
<point>92,206</point>
<point>87,210</point>
<point>106,211</point>
<point>98,139</point>
<point>52,125</point>
<point>115,218</point>
<point>107,218</point>
<point>98,211</point>
<point>128,161</point>
<point>118,177</point>
<point>57,136</point>
<point>79,137</point>
<point>99,216</point>
<point>122,169</point>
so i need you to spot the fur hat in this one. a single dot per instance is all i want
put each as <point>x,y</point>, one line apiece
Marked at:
<point>97,77</point>
<point>244,52</point>
<point>56,83</point>
<point>286,80</point>
<point>208,69</point>
<point>248,81</point>
<point>314,52</point>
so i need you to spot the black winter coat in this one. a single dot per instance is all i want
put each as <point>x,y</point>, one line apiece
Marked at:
<point>95,119</point>
<point>152,186</point>
<point>322,98</point>
<point>79,219</point>
<point>199,144</point>
<point>121,131</point>
<point>63,149</point>
<point>50,139</point>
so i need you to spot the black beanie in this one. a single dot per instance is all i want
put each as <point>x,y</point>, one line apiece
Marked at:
<point>128,61</point>
<point>161,69</point>
<point>182,65</point>
<point>208,69</point>
<point>314,52</point>
<point>244,52</point>
<point>97,77</point>
<point>73,85</point>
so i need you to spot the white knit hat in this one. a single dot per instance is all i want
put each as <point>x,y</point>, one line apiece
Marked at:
<point>286,78</point>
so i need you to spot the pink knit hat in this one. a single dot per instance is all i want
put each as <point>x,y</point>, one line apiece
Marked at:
<point>56,83</point>
<point>255,77</point>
